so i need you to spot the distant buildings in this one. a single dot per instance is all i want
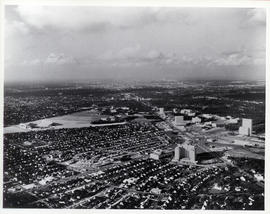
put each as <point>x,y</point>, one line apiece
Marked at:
<point>196,120</point>
<point>207,116</point>
<point>161,154</point>
<point>185,111</point>
<point>185,153</point>
<point>175,110</point>
<point>28,186</point>
<point>188,112</point>
<point>156,191</point>
<point>246,128</point>
<point>233,120</point>
<point>41,124</point>
<point>46,180</point>
<point>162,113</point>
<point>161,110</point>
<point>156,155</point>
<point>179,120</point>
<point>210,124</point>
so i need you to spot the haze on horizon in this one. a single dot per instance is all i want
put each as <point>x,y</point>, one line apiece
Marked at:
<point>63,43</point>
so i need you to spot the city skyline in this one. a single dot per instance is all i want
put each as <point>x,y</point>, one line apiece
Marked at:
<point>135,43</point>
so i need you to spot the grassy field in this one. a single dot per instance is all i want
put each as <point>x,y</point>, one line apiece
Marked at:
<point>75,120</point>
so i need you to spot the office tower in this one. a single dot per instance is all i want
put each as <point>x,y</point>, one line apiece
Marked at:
<point>179,120</point>
<point>246,128</point>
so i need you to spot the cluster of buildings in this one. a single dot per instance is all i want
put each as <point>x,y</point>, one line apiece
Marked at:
<point>162,113</point>
<point>207,121</point>
<point>188,153</point>
<point>160,154</point>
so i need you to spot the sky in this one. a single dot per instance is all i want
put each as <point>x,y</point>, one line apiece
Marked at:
<point>84,43</point>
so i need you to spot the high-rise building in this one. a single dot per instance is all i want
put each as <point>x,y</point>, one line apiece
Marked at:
<point>246,128</point>
<point>189,152</point>
<point>185,152</point>
<point>177,153</point>
<point>179,120</point>
<point>161,111</point>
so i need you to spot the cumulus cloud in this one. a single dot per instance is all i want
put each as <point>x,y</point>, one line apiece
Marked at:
<point>136,56</point>
<point>60,59</point>
<point>15,27</point>
<point>238,58</point>
<point>51,59</point>
<point>154,55</point>
<point>131,52</point>
<point>31,62</point>
<point>256,16</point>
<point>159,57</point>
<point>234,59</point>
<point>149,38</point>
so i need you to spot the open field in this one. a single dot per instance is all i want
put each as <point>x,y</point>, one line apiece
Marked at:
<point>75,120</point>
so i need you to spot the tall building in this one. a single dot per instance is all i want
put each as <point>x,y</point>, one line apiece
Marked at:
<point>185,152</point>
<point>161,111</point>
<point>246,128</point>
<point>177,153</point>
<point>179,120</point>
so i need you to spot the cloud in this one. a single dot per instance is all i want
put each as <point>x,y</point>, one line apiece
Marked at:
<point>256,16</point>
<point>135,56</point>
<point>234,59</point>
<point>60,59</point>
<point>154,55</point>
<point>15,27</point>
<point>91,18</point>
<point>51,59</point>
<point>238,58</point>
<point>60,17</point>
<point>131,52</point>
<point>173,15</point>
<point>32,62</point>
<point>162,58</point>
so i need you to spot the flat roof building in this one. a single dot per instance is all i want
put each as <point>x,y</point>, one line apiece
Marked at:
<point>156,155</point>
<point>161,110</point>
<point>196,120</point>
<point>246,128</point>
<point>179,120</point>
<point>186,152</point>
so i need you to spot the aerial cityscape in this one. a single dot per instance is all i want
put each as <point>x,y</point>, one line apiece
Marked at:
<point>198,145</point>
<point>113,130</point>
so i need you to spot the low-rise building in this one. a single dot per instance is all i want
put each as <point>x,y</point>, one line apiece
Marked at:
<point>156,155</point>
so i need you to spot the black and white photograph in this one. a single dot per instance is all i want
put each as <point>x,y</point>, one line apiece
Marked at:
<point>134,107</point>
